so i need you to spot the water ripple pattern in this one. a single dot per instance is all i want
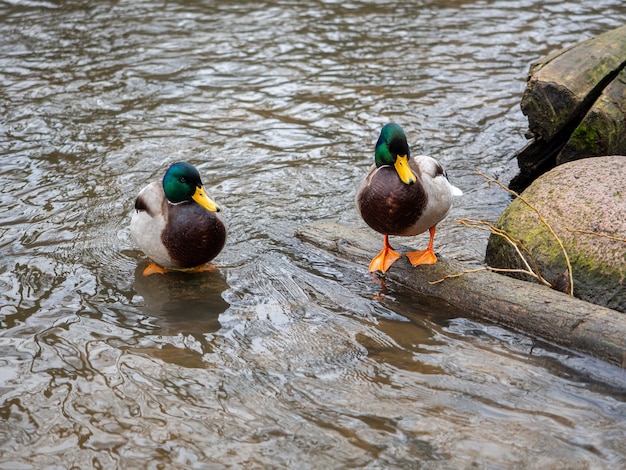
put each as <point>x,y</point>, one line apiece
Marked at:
<point>283,357</point>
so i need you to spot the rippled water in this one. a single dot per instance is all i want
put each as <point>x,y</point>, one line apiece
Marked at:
<point>284,357</point>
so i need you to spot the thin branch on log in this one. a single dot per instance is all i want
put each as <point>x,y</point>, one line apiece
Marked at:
<point>597,234</point>
<point>514,242</point>
<point>489,268</point>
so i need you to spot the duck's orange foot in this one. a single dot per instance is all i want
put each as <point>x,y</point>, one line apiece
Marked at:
<point>154,268</point>
<point>383,260</point>
<point>203,268</point>
<point>426,256</point>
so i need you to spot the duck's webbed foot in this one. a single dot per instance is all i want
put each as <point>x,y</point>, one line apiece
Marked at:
<point>383,260</point>
<point>426,256</point>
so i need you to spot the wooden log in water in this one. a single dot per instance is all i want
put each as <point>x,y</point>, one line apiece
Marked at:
<point>562,88</point>
<point>563,85</point>
<point>603,130</point>
<point>519,305</point>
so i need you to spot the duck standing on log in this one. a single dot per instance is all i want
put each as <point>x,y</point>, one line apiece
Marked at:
<point>403,195</point>
<point>175,222</point>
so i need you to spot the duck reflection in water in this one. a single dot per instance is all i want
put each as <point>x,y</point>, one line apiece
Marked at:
<point>183,303</point>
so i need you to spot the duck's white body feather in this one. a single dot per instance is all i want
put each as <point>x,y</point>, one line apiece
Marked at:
<point>146,226</point>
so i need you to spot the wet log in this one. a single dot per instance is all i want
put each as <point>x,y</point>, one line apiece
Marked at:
<point>562,89</point>
<point>519,305</point>
<point>603,129</point>
<point>560,84</point>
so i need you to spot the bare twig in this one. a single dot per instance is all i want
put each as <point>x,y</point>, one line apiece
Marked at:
<point>517,245</point>
<point>597,234</point>
<point>489,268</point>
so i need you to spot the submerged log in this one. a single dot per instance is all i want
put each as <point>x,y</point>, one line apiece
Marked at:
<point>562,90</point>
<point>519,305</point>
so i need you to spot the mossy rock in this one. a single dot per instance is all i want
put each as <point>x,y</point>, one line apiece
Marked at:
<point>589,195</point>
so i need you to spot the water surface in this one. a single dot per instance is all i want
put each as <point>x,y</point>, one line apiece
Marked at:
<point>284,356</point>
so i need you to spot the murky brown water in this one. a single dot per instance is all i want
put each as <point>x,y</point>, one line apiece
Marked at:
<point>284,357</point>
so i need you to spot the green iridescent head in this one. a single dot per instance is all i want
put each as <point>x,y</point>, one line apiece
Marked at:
<point>392,149</point>
<point>182,183</point>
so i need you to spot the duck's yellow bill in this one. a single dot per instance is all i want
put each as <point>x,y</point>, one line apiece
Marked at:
<point>205,201</point>
<point>404,170</point>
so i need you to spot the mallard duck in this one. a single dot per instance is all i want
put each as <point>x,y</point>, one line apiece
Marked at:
<point>403,195</point>
<point>175,222</point>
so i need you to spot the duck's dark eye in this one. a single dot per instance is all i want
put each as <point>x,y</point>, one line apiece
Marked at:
<point>182,179</point>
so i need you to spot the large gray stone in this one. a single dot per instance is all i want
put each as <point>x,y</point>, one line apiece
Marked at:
<point>587,194</point>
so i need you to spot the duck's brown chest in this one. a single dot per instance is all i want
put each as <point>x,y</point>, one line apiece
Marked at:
<point>388,205</point>
<point>193,235</point>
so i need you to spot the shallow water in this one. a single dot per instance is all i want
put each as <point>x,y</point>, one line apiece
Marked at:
<point>284,357</point>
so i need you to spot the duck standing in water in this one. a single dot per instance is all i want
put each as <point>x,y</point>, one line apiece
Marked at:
<point>403,195</point>
<point>175,222</point>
